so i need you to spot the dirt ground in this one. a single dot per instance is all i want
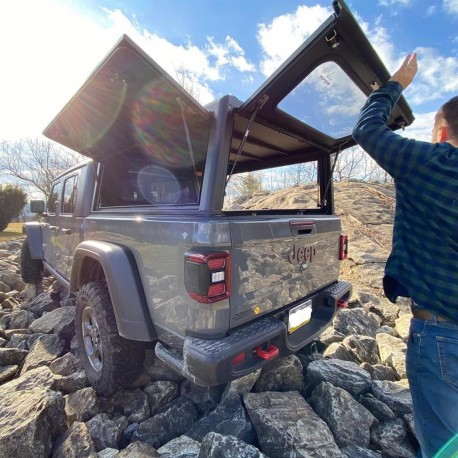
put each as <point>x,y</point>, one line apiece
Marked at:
<point>367,212</point>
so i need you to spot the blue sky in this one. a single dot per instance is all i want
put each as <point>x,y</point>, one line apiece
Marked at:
<point>49,47</point>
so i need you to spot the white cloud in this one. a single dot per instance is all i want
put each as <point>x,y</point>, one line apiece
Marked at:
<point>49,56</point>
<point>280,38</point>
<point>451,6</point>
<point>229,54</point>
<point>286,33</point>
<point>381,41</point>
<point>436,77</point>
<point>394,2</point>
<point>421,128</point>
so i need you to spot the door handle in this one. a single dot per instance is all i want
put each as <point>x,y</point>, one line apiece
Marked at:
<point>302,227</point>
<point>66,231</point>
<point>53,229</point>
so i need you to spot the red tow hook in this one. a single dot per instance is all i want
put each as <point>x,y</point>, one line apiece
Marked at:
<point>271,352</point>
<point>342,304</point>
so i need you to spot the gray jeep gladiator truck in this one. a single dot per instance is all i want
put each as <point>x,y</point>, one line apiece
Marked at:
<point>144,234</point>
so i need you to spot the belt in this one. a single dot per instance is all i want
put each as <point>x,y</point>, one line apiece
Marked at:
<point>423,314</point>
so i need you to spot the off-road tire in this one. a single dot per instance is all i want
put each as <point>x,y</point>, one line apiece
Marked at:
<point>31,269</point>
<point>110,361</point>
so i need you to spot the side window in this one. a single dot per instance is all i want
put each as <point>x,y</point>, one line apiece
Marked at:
<point>70,188</point>
<point>146,184</point>
<point>54,198</point>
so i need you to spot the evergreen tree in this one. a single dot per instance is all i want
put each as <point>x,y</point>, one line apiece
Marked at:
<point>12,200</point>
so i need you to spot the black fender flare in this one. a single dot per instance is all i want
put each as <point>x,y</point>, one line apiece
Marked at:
<point>124,285</point>
<point>35,239</point>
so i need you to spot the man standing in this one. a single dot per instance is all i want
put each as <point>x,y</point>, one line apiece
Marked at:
<point>423,263</point>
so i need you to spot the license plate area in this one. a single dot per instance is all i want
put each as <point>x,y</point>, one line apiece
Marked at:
<point>299,316</point>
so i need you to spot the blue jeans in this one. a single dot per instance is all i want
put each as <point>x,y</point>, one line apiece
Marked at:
<point>432,370</point>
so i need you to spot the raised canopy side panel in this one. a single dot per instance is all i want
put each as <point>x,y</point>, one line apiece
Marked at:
<point>125,102</point>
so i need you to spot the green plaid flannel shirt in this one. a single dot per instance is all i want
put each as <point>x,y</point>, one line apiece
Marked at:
<point>423,263</point>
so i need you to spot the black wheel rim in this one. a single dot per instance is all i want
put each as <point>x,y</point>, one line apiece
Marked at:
<point>92,339</point>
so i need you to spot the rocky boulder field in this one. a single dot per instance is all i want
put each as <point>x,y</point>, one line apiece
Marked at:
<point>346,395</point>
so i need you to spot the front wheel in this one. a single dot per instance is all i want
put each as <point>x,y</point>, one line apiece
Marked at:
<point>110,361</point>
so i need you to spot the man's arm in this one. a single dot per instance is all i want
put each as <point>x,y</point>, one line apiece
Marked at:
<point>395,154</point>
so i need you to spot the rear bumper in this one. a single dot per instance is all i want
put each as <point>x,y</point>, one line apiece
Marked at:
<point>210,362</point>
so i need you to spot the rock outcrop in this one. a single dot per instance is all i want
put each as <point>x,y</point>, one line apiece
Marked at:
<point>345,395</point>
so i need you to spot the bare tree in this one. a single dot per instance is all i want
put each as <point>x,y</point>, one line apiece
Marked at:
<point>355,164</point>
<point>375,173</point>
<point>300,174</point>
<point>243,186</point>
<point>350,164</point>
<point>35,163</point>
<point>186,80</point>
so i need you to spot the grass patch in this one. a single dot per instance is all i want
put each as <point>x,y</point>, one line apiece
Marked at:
<point>13,231</point>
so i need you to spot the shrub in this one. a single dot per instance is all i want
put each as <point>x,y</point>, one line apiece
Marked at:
<point>12,200</point>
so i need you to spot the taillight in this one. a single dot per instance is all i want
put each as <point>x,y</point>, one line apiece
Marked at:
<point>207,276</point>
<point>343,247</point>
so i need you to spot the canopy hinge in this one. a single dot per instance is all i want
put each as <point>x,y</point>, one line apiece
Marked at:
<point>332,39</point>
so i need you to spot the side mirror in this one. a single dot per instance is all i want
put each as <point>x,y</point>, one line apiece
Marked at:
<point>37,206</point>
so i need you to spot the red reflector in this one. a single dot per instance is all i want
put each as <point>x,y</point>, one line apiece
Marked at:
<point>239,358</point>
<point>199,258</point>
<point>342,304</point>
<point>216,290</point>
<point>343,247</point>
<point>217,263</point>
<point>271,352</point>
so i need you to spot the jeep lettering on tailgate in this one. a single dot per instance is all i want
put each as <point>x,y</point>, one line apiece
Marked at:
<point>301,254</point>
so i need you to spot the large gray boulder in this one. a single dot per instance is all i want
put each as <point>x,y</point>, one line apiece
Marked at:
<point>81,405</point>
<point>106,432</point>
<point>172,421</point>
<point>133,404</point>
<point>282,374</point>
<point>55,318</point>
<point>215,445</point>
<point>391,437</point>
<point>31,419</point>
<point>240,386</point>
<point>287,427</point>
<point>343,374</point>
<point>348,420</point>
<point>229,418</point>
<point>356,321</point>
<point>180,447</point>
<point>76,442</point>
<point>12,356</point>
<point>395,395</point>
<point>44,350</point>
<point>160,393</point>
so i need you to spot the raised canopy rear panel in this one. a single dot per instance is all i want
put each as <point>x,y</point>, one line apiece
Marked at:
<point>311,103</point>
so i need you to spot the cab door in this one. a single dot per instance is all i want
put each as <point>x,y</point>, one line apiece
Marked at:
<point>50,227</point>
<point>67,229</point>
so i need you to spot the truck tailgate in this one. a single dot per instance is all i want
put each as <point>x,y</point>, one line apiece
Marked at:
<point>278,261</point>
